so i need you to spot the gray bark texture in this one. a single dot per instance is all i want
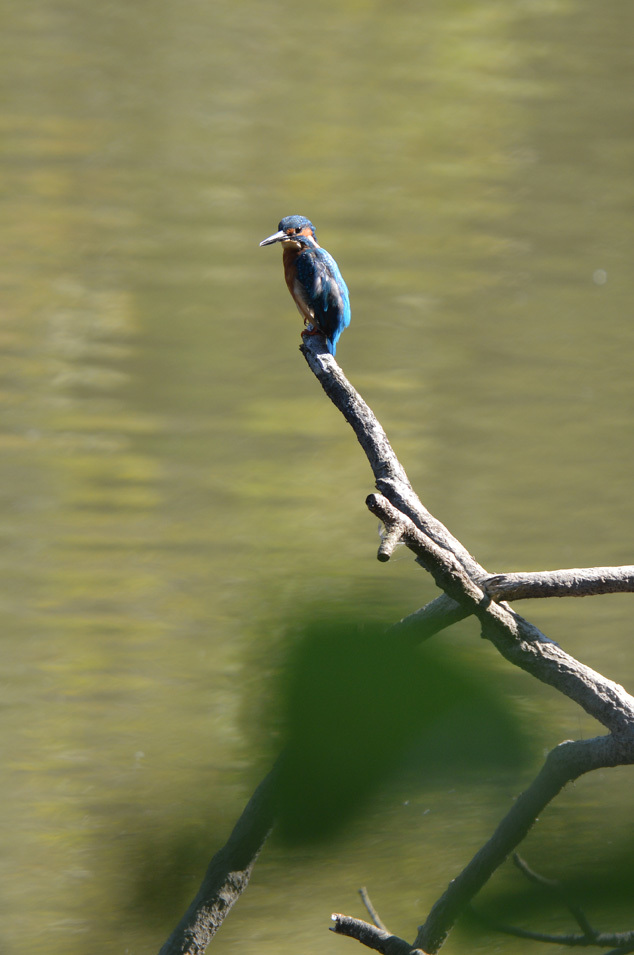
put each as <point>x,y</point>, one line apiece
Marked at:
<point>467,590</point>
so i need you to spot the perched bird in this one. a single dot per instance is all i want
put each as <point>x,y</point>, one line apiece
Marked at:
<point>313,279</point>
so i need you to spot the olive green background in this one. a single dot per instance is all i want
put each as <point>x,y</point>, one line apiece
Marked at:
<point>177,492</point>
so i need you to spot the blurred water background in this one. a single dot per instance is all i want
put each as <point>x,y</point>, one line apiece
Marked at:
<point>176,489</point>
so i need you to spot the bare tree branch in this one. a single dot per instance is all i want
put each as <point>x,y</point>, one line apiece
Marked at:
<point>553,885</point>
<point>376,938</point>
<point>577,582</point>
<point>389,474</point>
<point>228,874</point>
<point>467,590</point>
<point>437,615</point>
<point>515,638</point>
<point>566,762</point>
<point>372,912</point>
<point>624,941</point>
<point>462,579</point>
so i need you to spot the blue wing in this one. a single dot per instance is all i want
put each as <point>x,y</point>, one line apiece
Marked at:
<point>325,293</point>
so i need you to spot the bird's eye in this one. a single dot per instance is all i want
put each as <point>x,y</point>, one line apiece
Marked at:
<point>298,230</point>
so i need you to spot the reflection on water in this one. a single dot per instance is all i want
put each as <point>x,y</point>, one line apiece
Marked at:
<point>174,482</point>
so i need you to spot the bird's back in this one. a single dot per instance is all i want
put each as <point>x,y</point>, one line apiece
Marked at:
<point>324,292</point>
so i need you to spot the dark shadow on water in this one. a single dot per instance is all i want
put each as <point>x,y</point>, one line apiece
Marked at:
<point>358,710</point>
<point>597,878</point>
<point>358,705</point>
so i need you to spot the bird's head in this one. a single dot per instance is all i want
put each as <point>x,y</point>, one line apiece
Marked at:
<point>293,230</point>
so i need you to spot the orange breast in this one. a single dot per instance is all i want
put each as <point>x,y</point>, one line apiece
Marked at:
<point>290,275</point>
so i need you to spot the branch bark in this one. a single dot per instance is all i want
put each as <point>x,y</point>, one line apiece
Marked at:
<point>389,474</point>
<point>378,939</point>
<point>516,639</point>
<point>467,585</point>
<point>566,762</point>
<point>467,590</point>
<point>576,582</point>
<point>228,874</point>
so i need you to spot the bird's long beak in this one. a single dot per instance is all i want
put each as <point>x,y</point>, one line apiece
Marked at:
<point>276,237</point>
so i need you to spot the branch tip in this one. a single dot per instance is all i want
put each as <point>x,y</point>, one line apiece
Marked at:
<point>372,912</point>
<point>571,582</point>
<point>394,527</point>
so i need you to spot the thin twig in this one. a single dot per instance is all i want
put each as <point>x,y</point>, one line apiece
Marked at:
<point>624,941</point>
<point>555,886</point>
<point>372,912</point>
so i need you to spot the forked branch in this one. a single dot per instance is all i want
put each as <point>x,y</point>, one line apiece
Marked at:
<point>467,589</point>
<point>566,762</point>
<point>620,942</point>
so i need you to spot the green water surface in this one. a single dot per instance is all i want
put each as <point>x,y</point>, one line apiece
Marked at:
<point>177,490</point>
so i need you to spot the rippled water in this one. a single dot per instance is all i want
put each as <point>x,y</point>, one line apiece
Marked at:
<point>175,485</point>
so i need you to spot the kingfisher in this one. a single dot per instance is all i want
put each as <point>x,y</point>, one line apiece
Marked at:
<point>313,279</point>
